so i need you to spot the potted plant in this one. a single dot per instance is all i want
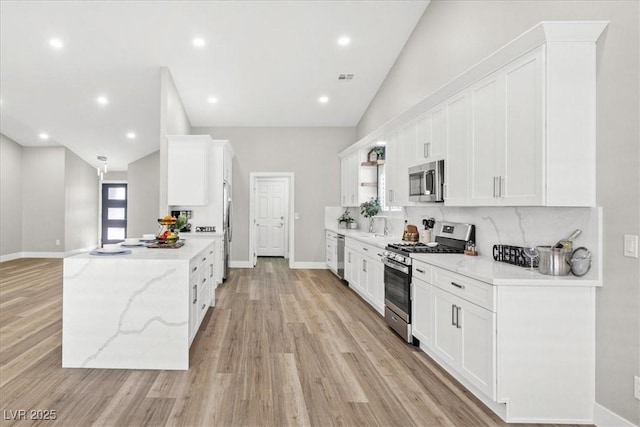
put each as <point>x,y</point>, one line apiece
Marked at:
<point>346,220</point>
<point>370,209</point>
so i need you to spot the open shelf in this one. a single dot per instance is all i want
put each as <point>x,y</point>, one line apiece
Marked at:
<point>377,163</point>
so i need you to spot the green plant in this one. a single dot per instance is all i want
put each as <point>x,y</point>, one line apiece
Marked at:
<point>181,222</point>
<point>346,217</point>
<point>370,208</point>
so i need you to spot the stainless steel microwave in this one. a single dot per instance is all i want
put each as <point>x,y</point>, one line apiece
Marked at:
<point>426,182</point>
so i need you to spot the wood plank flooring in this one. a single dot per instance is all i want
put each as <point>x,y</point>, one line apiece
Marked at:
<point>281,348</point>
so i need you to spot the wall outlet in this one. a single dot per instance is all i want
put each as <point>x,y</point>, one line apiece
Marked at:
<point>636,387</point>
<point>57,242</point>
<point>631,245</point>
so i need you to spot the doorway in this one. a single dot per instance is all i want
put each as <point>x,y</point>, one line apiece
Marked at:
<point>114,213</point>
<point>271,216</point>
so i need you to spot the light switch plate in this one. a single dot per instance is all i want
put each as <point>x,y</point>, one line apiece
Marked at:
<point>631,245</point>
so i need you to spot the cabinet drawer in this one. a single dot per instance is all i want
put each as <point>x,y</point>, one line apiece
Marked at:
<point>422,271</point>
<point>475,291</point>
<point>330,235</point>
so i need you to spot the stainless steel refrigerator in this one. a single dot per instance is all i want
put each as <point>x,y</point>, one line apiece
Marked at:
<point>227,225</point>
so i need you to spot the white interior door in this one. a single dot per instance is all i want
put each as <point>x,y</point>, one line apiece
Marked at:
<point>271,216</point>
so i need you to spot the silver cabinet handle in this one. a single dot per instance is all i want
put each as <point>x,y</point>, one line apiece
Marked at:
<point>453,315</point>
<point>365,249</point>
<point>364,265</point>
<point>203,306</point>
<point>501,187</point>
<point>420,271</point>
<point>194,268</point>
<point>457,285</point>
<point>495,192</point>
<point>204,259</point>
<point>204,280</point>
<point>349,258</point>
<point>195,293</point>
<point>427,149</point>
<point>458,325</point>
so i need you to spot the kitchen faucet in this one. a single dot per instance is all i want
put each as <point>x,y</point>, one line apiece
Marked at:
<point>385,229</point>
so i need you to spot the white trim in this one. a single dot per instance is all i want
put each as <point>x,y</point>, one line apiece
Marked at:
<point>240,264</point>
<point>292,220</point>
<point>10,257</point>
<point>309,265</point>
<point>603,417</point>
<point>66,254</point>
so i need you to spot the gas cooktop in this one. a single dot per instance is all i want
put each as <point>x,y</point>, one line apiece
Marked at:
<point>421,248</point>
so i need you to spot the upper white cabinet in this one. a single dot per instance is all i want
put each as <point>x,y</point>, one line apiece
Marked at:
<point>456,166</point>
<point>350,168</point>
<point>187,169</point>
<point>516,129</point>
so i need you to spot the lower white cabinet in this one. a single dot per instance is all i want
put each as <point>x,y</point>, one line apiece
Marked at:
<point>331,251</point>
<point>201,288</point>
<point>525,350</point>
<point>421,311</point>
<point>364,271</point>
<point>464,336</point>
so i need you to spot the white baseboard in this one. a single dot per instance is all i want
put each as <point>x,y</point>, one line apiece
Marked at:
<point>18,255</point>
<point>309,265</point>
<point>240,264</point>
<point>603,417</point>
<point>10,257</point>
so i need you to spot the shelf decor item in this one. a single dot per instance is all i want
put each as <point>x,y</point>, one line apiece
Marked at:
<point>346,220</point>
<point>370,209</point>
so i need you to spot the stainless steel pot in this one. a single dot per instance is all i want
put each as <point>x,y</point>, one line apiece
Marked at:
<point>554,261</point>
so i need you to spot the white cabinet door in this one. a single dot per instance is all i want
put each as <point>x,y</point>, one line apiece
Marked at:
<point>348,264</point>
<point>431,133</point>
<point>354,180</point>
<point>457,168</point>
<point>446,338</point>
<point>477,327</point>
<point>522,182</point>
<point>344,178</point>
<point>187,173</point>
<point>421,311</point>
<point>357,277</point>
<point>374,271</point>
<point>194,279</point>
<point>392,165</point>
<point>487,141</point>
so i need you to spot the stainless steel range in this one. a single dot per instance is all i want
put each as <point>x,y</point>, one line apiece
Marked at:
<point>450,238</point>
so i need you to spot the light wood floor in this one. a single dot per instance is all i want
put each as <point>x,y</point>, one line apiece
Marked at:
<point>282,347</point>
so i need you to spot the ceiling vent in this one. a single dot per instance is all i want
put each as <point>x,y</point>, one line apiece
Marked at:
<point>345,76</point>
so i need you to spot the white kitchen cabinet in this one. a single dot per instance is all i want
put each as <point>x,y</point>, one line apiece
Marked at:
<point>201,288</point>
<point>350,180</point>
<point>456,167</point>
<point>464,337</point>
<point>431,137</point>
<point>365,272</point>
<point>421,311</point>
<point>331,251</point>
<point>400,151</point>
<point>187,169</point>
<point>507,135</point>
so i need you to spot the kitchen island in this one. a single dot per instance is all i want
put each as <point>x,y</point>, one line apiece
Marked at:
<point>139,310</point>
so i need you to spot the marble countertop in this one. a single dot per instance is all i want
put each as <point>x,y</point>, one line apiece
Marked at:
<point>186,252</point>
<point>377,240</point>
<point>499,273</point>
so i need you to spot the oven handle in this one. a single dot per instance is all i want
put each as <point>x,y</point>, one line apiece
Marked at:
<point>396,266</point>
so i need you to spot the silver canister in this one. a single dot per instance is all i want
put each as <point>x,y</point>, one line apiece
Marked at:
<point>554,261</point>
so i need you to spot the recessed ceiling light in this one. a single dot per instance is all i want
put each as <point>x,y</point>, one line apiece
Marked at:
<point>344,41</point>
<point>323,99</point>
<point>56,43</point>
<point>131,135</point>
<point>212,100</point>
<point>43,136</point>
<point>102,100</point>
<point>381,143</point>
<point>199,42</point>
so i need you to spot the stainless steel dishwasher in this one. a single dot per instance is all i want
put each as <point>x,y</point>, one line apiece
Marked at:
<point>341,256</point>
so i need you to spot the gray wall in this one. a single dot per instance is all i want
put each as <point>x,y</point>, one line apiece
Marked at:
<point>173,121</point>
<point>43,199</point>
<point>142,178</point>
<point>10,196</point>
<point>311,154</point>
<point>81,204</point>
<point>454,35</point>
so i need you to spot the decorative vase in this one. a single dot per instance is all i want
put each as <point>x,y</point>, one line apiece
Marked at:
<point>371,225</point>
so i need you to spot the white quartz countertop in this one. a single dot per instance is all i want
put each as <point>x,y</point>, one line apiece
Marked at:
<point>189,250</point>
<point>373,239</point>
<point>199,234</point>
<point>499,273</point>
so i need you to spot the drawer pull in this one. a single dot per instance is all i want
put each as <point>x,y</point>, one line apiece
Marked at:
<point>420,271</point>
<point>365,249</point>
<point>457,286</point>
<point>194,269</point>
<point>453,315</point>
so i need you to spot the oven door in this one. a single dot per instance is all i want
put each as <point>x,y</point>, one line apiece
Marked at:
<point>397,288</point>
